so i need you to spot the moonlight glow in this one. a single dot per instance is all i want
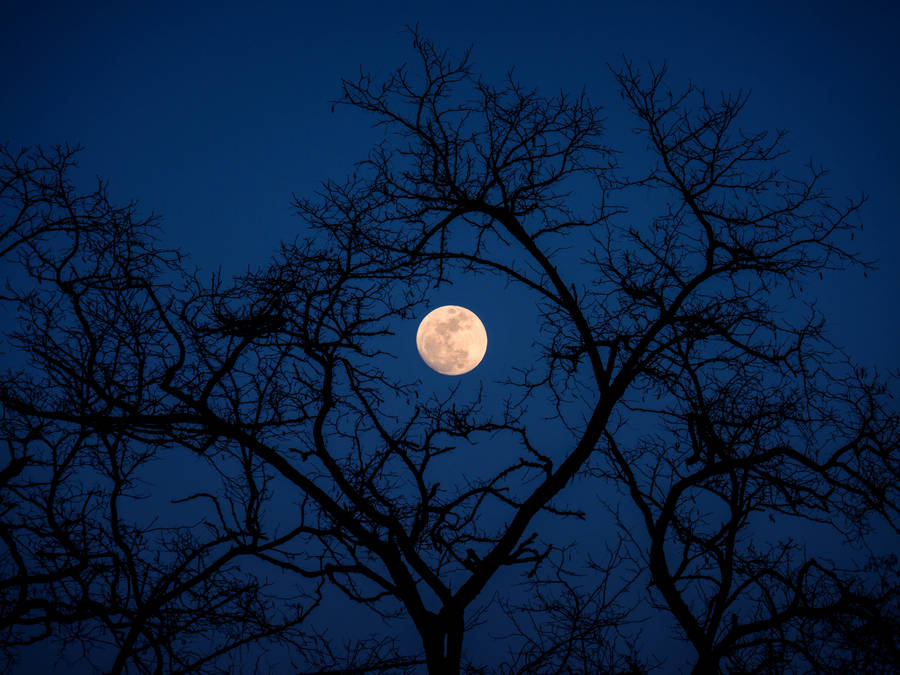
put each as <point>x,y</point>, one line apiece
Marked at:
<point>451,340</point>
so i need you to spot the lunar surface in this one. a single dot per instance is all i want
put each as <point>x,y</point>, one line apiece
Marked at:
<point>451,340</point>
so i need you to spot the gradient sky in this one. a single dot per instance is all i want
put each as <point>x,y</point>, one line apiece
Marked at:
<point>214,116</point>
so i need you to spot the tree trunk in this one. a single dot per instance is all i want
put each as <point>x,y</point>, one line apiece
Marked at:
<point>706,664</point>
<point>443,649</point>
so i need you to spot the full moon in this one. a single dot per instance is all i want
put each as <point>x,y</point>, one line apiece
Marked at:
<point>451,340</point>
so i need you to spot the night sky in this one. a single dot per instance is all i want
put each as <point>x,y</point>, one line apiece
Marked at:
<point>213,118</point>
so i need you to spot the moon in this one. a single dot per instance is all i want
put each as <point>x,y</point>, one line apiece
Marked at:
<point>451,340</point>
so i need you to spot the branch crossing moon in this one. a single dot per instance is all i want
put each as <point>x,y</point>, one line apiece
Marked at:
<point>451,340</point>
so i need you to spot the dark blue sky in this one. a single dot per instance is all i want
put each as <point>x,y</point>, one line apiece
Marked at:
<point>214,117</point>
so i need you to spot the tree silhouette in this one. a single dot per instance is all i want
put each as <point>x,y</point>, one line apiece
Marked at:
<point>688,392</point>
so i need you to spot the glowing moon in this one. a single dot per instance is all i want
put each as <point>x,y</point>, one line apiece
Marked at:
<point>451,340</point>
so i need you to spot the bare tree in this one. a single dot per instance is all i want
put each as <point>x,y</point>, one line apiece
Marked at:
<point>83,559</point>
<point>271,387</point>
<point>763,419</point>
